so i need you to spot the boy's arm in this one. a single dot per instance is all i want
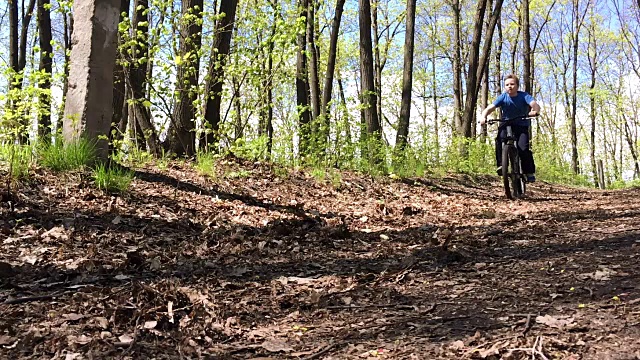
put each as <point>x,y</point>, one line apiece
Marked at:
<point>535,108</point>
<point>486,112</point>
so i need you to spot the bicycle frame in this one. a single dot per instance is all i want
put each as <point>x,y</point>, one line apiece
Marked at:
<point>514,181</point>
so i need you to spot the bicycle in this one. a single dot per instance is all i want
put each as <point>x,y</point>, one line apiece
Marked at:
<point>514,181</point>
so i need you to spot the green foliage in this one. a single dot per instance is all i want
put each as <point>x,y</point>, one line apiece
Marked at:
<point>619,184</point>
<point>254,149</point>
<point>551,167</point>
<point>131,155</point>
<point>239,174</point>
<point>16,160</point>
<point>479,159</point>
<point>408,163</point>
<point>281,171</point>
<point>327,175</point>
<point>206,163</point>
<point>113,179</point>
<point>58,156</point>
<point>163,162</point>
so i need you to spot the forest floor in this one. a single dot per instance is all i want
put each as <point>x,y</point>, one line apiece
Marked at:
<point>259,262</point>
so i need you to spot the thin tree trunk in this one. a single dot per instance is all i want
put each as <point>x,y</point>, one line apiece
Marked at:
<point>119,88</point>
<point>457,66</point>
<point>21,61</point>
<point>215,74</point>
<point>434,85</point>
<point>578,19</point>
<point>377,60</point>
<point>407,77</point>
<point>526,45</point>
<point>67,22</point>
<point>138,78</point>
<point>13,37</point>
<point>302,92</point>
<point>368,90</point>
<point>13,50</point>
<point>181,130</point>
<point>345,113</point>
<point>632,147</point>
<point>45,67</point>
<point>593,65</point>
<point>314,79</point>
<point>331,65</point>
<point>478,61</point>
<point>24,32</point>
<point>269,83</point>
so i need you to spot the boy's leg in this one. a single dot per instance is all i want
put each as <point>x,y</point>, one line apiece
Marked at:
<point>526,156</point>
<point>501,134</point>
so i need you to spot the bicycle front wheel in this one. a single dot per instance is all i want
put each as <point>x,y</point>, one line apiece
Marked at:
<point>511,179</point>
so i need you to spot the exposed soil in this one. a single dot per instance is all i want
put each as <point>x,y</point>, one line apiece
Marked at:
<point>259,262</point>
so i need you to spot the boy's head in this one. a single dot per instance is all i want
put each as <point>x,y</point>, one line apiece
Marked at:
<point>511,82</point>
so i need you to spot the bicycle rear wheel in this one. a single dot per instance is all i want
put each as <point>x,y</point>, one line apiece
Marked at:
<point>511,177</point>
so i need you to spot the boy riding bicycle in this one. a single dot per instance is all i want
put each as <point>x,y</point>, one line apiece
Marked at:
<point>515,104</point>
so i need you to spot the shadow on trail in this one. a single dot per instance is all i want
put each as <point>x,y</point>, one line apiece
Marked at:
<point>215,191</point>
<point>235,260</point>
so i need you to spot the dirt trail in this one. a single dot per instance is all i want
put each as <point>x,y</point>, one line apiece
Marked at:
<point>257,262</point>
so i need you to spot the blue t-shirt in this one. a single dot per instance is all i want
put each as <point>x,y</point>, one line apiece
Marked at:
<point>513,107</point>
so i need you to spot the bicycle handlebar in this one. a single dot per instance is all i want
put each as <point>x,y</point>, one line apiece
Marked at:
<point>493,121</point>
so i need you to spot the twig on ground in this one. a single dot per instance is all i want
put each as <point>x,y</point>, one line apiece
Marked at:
<point>397,306</point>
<point>492,342</point>
<point>536,349</point>
<point>527,326</point>
<point>25,299</point>
<point>325,350</point>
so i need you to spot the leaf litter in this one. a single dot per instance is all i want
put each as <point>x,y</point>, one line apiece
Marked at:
<point>277,264</point>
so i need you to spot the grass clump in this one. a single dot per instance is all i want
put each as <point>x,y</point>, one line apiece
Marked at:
<point>112,179</point>
<point>58,156</point>
<point>16,160</point>
<point>206,163</point>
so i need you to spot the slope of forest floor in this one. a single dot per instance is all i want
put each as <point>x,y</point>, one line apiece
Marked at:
<point>260,262</point>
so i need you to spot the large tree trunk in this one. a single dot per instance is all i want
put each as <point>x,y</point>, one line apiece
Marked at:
<point>181,130</point>
<point>215,74</point>
<point>88,106</point>
<point>331,66</point>
<point>407,77</point>
<point>368,93</point>
<point>302,87</point>
<point>46,53</point>
<point>138,77</point>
